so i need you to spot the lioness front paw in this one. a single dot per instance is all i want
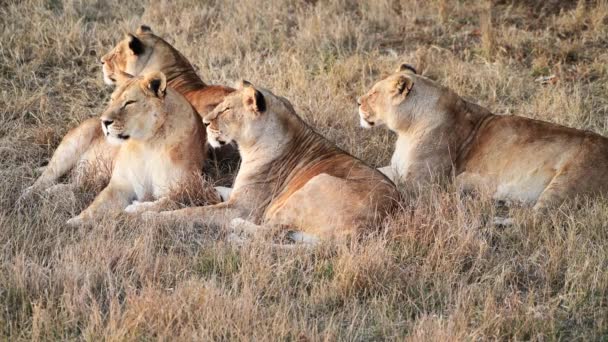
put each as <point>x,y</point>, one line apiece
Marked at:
<point>224,192</point>
<point>151,216</point>
<point>140,207</point>
<point>244,227</point>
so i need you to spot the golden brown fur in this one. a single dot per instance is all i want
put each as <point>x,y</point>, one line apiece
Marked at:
<point>85,150</point>
<point>511,157</point>
<point>160,149</point>
<point>290,176</point>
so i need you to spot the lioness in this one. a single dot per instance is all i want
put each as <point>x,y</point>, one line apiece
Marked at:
<point>160,150</point>
<point>512,157</point>
<point>290,175</point>
<point>86,146</point>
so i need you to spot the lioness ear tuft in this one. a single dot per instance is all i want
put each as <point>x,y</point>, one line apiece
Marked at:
<point>253,99</point>
<point>155,83</point>
<point>143,29</point>
<point>136,45</point>
<point>404,84</point>
<point>242,84</point>
<point>406,67</point>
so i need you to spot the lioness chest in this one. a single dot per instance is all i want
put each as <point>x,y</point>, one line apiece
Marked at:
<point>149,172</point>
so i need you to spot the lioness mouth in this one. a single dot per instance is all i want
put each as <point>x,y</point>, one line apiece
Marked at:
<point>123,136</point>
<point>371,123</point>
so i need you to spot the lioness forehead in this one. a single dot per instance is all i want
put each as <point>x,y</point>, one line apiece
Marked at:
<point>123,88</point>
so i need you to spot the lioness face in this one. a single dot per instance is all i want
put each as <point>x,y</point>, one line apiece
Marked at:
<point>380,104</point>
<point>130,56</point>
<point>136,109</point>
<point>239,118</point>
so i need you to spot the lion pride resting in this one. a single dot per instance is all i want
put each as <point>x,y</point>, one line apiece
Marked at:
<point>161,150</point>
<point>290,175</point>
<point>512,157</point>
<point>86,149</point>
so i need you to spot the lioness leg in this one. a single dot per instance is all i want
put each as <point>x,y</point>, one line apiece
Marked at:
<point>140,207</point>
<point>573,180</point>
<point>243,229</point>
<point>389,172</point>
<point>73,145</point>
<point>219,214</point>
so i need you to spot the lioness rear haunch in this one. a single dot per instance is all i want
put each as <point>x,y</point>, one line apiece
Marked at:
<point>290,176</point>
<point>511,157</point>
<point>160,151</point>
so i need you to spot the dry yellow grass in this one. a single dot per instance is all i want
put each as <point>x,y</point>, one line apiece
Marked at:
<point>439,271</point>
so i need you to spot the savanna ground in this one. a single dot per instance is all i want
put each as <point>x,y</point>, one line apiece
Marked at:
<point>439,270</point>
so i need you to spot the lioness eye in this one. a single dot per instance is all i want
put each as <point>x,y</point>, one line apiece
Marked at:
<point>128,103</point>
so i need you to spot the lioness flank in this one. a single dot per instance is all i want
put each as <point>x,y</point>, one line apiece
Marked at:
<point>511,157</point>
<point>290,176</point>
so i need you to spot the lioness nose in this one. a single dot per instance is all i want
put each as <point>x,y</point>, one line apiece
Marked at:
<point>206,123</point>
<point>358,101</point>
<point>107,123</point>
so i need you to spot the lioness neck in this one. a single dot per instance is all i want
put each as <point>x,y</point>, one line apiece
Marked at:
<point>181,123</point>
<point>274,158</point>
<point>450,122</point>
<point>184,80</point>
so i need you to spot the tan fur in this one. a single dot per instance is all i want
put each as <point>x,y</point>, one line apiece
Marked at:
<point>86,144</point>
<point>160,151</point>
<point>290,176</point>
<point>511,157</point>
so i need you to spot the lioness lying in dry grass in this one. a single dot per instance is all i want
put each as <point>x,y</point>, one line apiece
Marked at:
<point>511,157</point>
<point>159,136</point>
<point>290,176</point>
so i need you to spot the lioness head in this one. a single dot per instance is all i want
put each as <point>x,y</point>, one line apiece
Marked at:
<point>380,105</point>
<point>131,55</point>
<point>136,108</point>
<point>245,116</point>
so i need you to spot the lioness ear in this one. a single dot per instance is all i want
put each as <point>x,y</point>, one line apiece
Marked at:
<point>155,83</point>
<point>404,84</point>
<point>406,68</point>
<point>135,45</point>
<point>143,29</point>
<point>253,99</point>
<point>242,84</point>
